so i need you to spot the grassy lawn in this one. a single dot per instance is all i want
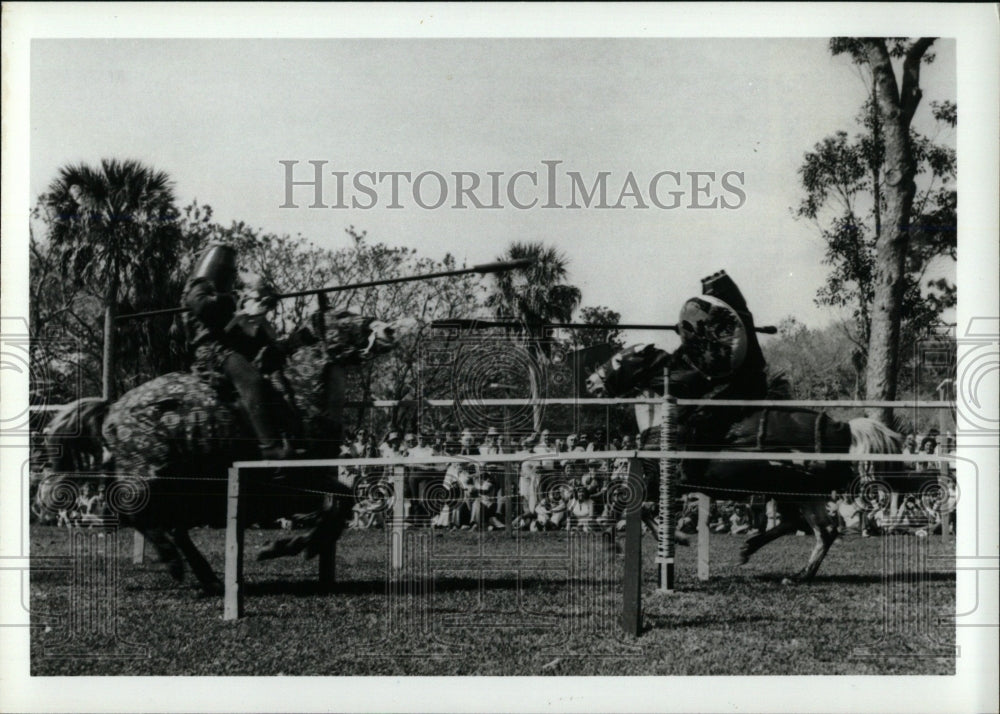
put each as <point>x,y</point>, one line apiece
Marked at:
<point>494,605</point>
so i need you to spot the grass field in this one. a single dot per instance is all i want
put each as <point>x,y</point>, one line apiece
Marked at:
<point>484,616</point>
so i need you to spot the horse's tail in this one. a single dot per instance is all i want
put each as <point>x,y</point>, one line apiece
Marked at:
<point>871,437</point>
<point>73,441</point>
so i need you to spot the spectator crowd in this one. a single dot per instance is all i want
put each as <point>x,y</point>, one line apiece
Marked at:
<point>547,491</point>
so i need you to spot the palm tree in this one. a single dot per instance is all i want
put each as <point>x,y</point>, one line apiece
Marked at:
<point>114,229</point>
<point>534,296</point>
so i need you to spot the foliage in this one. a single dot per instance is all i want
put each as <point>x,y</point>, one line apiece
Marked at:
<point>534,296</point>
<point>110,240</point>
<point>846,183</point>
<point>819,364</point>
<point>403,373</point>
<point>599,315</point>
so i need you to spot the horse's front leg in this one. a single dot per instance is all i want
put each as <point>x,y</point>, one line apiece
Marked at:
<point>165,549</point>
<point>210,583</point>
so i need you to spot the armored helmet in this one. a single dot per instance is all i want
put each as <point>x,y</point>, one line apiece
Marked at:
<point>217,264</point>
<point>714,336</point>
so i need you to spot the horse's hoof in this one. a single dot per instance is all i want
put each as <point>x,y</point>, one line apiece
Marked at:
<point>268,554</point>
<point>681,540</point>
<point>209,590</point>
<point>176,570</point>
<point>280,548</point>
<point>744,555</point>
<point>787,581</point>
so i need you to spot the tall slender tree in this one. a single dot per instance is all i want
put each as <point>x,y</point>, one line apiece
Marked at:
<point>880,241</point>
<point>114,230</point>
<point>534,296</point>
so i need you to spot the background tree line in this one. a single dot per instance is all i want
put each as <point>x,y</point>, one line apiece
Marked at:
<point>881,196</point>
<point>109,240</point>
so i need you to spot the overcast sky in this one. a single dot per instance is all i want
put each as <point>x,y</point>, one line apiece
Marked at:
<point>219,115</point>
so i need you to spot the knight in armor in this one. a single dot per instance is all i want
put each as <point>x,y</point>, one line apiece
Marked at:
<point>224,343</point>
<point>719,358</point>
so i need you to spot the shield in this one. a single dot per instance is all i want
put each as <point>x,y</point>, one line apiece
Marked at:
<point>714,336</point>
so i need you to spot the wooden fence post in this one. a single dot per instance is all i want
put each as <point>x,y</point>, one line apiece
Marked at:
<point>704,508</point>
<point>234,550</point>
<point>631,620</point>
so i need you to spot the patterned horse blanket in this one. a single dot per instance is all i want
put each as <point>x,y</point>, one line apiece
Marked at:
<point>171,417</point>
<point>168,420</point>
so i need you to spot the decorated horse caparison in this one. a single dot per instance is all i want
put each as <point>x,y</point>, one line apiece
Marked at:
<point>719,358</point>
<point>170,441</point>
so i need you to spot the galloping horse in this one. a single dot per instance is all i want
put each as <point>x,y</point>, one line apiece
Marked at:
<point>800,489</point>
<point>172,440</point>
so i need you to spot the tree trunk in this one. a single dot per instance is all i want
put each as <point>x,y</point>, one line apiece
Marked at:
<point>895,110</point>
<point>536,391</point>
<point>108,366</point>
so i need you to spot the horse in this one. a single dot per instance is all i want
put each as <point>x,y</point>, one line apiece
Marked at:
<point>165,448</point>
<point>800,489</point>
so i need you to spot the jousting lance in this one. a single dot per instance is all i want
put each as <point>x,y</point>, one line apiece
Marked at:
<point>482,269</point>
<point>476,324</point>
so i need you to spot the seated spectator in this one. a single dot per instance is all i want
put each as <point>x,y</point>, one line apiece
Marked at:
<point>910,444</point>
<point>491,443</point>
<point>688,520</point>
<point>928,446</point>
<point>911,517</point>
<point>739,522</point>
<point>550,512</point>
<point>592,479</point>
<point>92,506</point>
<point>484,501</point>
<point>849,515</point>
<point>458,481</point>
<point>362,446</point>
<point>417,446</point>
<point>543,511</point>
<point>466,444</point>
<point>390,446</point>
<point>719,519</point>
<point>580,510</point>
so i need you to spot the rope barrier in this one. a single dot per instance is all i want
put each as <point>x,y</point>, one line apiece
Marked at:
<point>608,401</point>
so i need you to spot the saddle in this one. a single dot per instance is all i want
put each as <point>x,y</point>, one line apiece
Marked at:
<point>789,429</point>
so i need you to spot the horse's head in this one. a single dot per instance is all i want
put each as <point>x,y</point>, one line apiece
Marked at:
<point>627,372</point>
<point>352,339</point>
<point>385,336</point>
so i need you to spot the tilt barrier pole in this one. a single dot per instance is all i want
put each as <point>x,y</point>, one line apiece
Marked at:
<point>668,468</point>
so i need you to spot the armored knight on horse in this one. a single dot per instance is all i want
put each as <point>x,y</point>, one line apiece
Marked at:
<point>720,358</point>
<point>172,439</point>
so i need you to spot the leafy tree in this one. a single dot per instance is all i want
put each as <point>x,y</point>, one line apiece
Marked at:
<point>819,364</point>
<point>112,230</point>
<point>403,374</point>
<point>599,315</point>
<point>885,205</point>
<point>534,296</point>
